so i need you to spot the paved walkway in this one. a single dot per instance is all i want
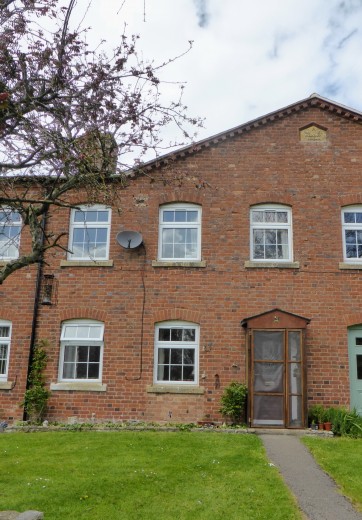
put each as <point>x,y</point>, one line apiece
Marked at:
<point>316,492</point>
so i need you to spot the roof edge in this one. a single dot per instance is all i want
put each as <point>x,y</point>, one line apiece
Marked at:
<point>314,100</point>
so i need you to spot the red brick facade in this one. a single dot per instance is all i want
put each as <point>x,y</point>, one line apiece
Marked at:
<point>268,161</point>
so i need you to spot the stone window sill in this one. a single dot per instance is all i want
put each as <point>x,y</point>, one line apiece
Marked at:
<point>86,263</point>
<point>345,265</point>
<point>6,385</point>
<point>274,265</point>
<point>79,387</point>
<point>161,263</point>
<point>175,389</point>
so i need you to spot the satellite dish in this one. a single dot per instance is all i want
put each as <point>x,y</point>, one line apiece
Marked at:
<point>129,239</point>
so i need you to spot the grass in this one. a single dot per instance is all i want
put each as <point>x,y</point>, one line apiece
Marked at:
<point>141,475</point>
<point>341,458</point>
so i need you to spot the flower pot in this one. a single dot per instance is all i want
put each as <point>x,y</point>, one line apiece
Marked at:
<point>320,426</point>
<point>328,426</point>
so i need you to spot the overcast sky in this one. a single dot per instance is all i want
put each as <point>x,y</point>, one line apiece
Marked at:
<point>248,58</point>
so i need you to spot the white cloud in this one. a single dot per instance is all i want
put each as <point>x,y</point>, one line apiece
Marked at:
<point>249,58</point>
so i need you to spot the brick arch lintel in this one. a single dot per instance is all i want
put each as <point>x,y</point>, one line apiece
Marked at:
<point>177,314</point>
<point>78,313</point>
<point>350,199</point>
<point>181,195</point>
<point>353,319</point>
<point>271,198</point>
<point>6,316</point>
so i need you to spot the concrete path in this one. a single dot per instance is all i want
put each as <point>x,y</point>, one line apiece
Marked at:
<point>316,492</point>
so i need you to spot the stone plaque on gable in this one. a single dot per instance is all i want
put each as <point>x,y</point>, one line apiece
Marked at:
<point>313,133</point>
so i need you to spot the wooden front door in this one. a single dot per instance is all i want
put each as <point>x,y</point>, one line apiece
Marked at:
<point>355,367</point>
<point>276,378</point>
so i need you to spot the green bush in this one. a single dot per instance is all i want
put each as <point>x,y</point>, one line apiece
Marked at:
<point>36,396</point>
<point>345,423</point>
<point>233,402</point>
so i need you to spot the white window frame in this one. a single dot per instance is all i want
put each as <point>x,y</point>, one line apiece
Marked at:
<point>351,226</point>
<point>14,241</point>
<point>194,345</point>
<point>74,225</point>
<point>78,333</point>
<point>272,226</point>
<point>179,225</point>
<point>6,342</point>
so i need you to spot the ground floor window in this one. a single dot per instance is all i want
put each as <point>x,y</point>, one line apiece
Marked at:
<point>81,351</point>
<point>5,335</point>
<point>176,352</point>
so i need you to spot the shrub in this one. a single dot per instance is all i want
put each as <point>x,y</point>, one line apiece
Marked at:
<point>36,396</point>
<point>233,402</point>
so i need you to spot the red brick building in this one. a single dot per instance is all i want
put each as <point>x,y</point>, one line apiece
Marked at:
<point>249,270</point>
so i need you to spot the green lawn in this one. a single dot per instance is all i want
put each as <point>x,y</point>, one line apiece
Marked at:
<point>342,459</point>
<point>141,475</point>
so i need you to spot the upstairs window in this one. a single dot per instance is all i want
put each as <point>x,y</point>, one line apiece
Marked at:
<point>89,233</point>
<point>81,351</point>
<point>352,233</point>
<point>180,232</point>
<point>10,228</point>
<point>5,336</point>
<point>271,233</point>
<point>176,352</point>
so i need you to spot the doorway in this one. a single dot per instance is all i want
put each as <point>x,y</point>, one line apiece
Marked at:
<point>355,367</point>
<point>276,369</point>
<point>277,378</point>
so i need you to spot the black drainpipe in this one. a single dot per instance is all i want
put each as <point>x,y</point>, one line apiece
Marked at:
<point>35,312</point>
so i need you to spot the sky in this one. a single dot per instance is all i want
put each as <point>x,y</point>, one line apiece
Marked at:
<point>248,58</point>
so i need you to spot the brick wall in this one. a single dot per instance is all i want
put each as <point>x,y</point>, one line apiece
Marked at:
<point>268,164</point>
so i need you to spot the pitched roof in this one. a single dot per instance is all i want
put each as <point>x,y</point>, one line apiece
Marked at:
<point>313,101</point>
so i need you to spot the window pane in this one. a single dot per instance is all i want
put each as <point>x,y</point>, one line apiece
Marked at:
<point>176,334</point>
<point>350,236</point>
<point>188,356</point>
<point>180,251</point>
<point>94,354</point>
<point>269,345</point>
<point>359,218</point>
<point>294,346</point>
<point>295,378</point>
<point>168,216</point>
<point>82,354</point>
<point>180,236</point>
<point>164,334</point>
<point>269,377</point>
<point>192,216</point>
<point>4,332</point>
<point>163,373</point>
<point>257,216</point>
<point>258,252</point>
<point>349,218</point>
<point>93,371</point>
<point>68,370</point>
<point>176,373</point>
<point>188,334</point>
<point>79,216</point>
<point>270,216</point>
<point>167,251</point>
<point>359,366</point>
<point>258,236</point>
<point>180,216</point>
<point>176,356</point>
<point>282,217</point>
<point>163,355</point>
<point>270,252</point>
<point>270,236</point>
<point>81,371</point>
<point>103,216</point>
<point>69,353</point>
<point>188,373</point>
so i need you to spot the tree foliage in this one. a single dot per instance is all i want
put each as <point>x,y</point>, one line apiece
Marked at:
<point>70,116</point>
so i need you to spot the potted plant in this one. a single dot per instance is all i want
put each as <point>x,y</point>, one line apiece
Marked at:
<point>316,414</point>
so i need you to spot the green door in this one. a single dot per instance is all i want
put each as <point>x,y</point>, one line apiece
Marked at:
<point>355,367</point>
